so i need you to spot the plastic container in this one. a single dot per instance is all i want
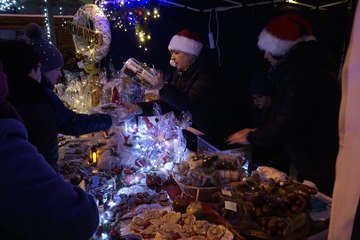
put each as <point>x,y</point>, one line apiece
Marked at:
<point>140,72</point>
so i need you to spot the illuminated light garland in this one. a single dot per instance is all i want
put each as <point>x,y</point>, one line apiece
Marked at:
<point>46,21</point>
<point>132,14</point>
<point>6,5</point>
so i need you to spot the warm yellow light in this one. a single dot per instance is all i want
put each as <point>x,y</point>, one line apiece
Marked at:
<point>94,157</point>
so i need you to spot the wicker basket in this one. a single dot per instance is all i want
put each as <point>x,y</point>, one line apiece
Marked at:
<point>198,193</point>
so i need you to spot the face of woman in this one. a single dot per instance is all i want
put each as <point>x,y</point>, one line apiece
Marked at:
<point>53,76</point>
<point>262,102</point>
<point>181,60</point>
<point>269,57</point>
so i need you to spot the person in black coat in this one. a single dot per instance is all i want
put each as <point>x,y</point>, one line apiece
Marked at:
<point>38,109</point>
<point>262,90</point>
<point>33,193</point>
<point>68,122</point>
<point>307,101</point>
<point>194,85</point>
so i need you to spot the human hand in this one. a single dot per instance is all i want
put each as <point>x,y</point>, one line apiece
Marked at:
<point>160,80</point>
<point>240,136</point>
<point>124,112</point>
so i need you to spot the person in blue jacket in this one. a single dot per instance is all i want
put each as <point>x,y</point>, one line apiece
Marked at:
<point>52,61</point>
<point>44,115</point>
<point>36,202</point>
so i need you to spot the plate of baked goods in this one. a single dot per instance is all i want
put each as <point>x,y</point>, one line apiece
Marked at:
<point>158,224</point>
<point>275,206</point>
<point>204,173</point>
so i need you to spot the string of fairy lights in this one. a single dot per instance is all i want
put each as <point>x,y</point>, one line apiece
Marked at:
<point>132,15</point>
<point>7,5</point>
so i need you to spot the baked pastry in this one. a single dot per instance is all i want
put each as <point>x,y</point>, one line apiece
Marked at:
<point>150,231</point>
<point>169,229</point>
<point>219,232</point>
<point>185,231</point>
<point>159,236</point>
<point>157,222</point>
<point>198,237</point>
<point>137,224</point>
<point>172,217</point>
<point>201,226</point>
<point>187,219</point>
<point>152,214</point>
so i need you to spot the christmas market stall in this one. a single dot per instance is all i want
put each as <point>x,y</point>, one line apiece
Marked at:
<point>148,179</point>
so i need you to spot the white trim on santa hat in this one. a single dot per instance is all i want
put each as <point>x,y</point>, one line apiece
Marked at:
<point>276,46</point>
<point>185,44</point>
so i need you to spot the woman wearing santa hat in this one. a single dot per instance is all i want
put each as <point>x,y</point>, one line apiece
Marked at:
<point>307,103</point>
<point>194,84</point>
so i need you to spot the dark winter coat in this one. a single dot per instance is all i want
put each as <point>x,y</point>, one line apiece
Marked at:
<point>45,115</point>
<point>38,114</point>
<point>306,113</point>
<point>36,202</point>
<point>71,123</point>
<point>197,90</point>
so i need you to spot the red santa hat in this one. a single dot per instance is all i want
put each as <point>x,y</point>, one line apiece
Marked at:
<point>186,41</point>
<point>284,32</point>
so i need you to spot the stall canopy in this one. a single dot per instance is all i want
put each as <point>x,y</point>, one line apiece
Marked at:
<point>201,5</point>
<point>222,5</point>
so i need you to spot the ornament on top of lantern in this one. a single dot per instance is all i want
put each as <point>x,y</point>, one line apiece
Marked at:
<point>132,14</point>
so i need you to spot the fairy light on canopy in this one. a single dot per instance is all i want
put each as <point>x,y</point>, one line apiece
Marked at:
<point>6,5</point>
<point>132,14</point>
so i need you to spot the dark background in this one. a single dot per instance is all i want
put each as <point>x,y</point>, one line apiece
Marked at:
<point>237,51</point>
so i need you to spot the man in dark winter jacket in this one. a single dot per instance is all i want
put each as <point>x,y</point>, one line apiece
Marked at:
<point>307,104</point>
<point>32,193</point>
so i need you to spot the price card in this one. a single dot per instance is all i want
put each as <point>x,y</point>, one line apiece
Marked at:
<point>226,192</point>
<point>230,206</point>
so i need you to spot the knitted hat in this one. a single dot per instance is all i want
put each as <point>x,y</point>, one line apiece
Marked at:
<point>186,41</point>
<point>284,32</point>
<point>51,58</point>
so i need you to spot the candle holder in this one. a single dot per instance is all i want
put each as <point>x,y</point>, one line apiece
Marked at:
<point>93,158</point>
